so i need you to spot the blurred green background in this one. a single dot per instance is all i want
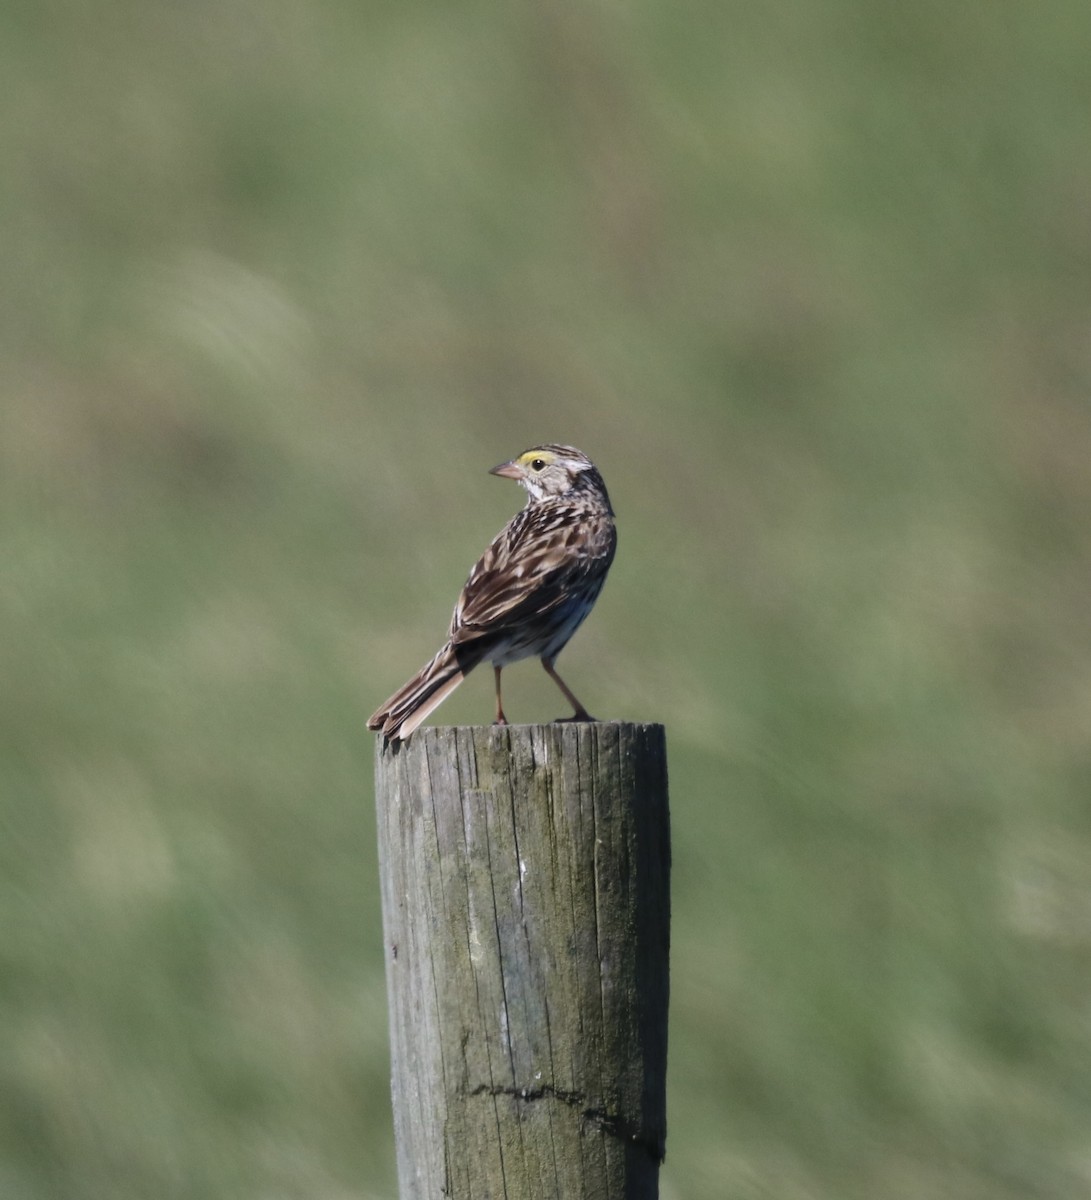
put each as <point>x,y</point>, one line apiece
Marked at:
<point>811,282</point>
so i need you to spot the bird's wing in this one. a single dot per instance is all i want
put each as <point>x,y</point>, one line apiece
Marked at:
<point>530,569</point>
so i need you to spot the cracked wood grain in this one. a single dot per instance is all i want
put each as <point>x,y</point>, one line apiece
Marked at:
<point>525,887</point>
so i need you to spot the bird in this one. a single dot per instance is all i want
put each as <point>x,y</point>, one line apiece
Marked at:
<point>527,594</point>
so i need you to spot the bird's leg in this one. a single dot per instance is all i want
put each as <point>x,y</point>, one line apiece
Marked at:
<point>581,713</point>
<point>500,718</point>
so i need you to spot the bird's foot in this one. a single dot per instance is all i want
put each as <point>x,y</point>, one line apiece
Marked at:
<point>579,717</point>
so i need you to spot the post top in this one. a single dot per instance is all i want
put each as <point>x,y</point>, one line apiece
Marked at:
<point>565,734</point>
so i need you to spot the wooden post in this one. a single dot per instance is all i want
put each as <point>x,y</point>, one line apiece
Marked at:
<point>525,889</point>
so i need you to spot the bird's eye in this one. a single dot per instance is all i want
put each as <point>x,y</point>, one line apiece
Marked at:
<point>537,464</point>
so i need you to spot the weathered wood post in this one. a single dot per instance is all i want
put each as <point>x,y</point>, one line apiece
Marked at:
<point>525,890</point>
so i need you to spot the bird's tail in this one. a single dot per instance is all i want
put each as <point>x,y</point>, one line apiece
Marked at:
<point>425,692</point>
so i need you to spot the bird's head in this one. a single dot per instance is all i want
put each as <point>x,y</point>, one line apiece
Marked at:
<point>552,471</point>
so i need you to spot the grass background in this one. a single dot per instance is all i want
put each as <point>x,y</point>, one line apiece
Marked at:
<point>811,282</point>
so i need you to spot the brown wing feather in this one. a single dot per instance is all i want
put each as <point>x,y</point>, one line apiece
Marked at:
<point>548,547</point>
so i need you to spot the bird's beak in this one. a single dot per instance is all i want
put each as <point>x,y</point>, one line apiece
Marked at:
<point>509,470</point>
